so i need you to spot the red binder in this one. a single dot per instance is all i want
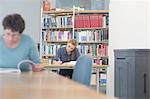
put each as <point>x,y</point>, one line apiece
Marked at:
<point>94,20</point>
<point>76,21</point>
<point>100,19</point>
<point>86,21</point>
<point>81,23</point>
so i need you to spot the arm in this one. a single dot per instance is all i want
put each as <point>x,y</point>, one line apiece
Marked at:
<point>57,59</point>
<point>33,53</point>
<point>33,56</point>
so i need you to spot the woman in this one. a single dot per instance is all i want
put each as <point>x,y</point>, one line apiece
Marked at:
<point>15,46</point>
<point>67,54</point>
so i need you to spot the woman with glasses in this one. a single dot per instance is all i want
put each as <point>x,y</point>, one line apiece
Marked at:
<point>15,46</point>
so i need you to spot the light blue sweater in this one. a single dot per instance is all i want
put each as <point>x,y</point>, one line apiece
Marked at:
<point>10,57</point>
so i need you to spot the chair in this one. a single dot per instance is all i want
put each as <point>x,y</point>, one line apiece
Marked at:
<point>83,69</point>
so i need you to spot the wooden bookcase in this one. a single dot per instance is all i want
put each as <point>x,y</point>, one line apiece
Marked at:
<point>88,27</point>
<point>56,29</point>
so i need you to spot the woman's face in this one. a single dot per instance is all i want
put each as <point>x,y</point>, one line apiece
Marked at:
<point>70,47</point>
<point>11,37</point>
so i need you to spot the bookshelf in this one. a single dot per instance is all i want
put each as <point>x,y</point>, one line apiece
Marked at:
<point>92,32</point>
<point>88,27</point>
<point>56,29</point>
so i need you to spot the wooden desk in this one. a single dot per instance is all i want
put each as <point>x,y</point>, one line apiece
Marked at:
<point>70,66</point>
<point>43,85</point>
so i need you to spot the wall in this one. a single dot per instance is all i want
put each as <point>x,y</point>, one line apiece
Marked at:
<point>129,28</point>
<point>87,4</point>
<point>148,22</point>
<point>29,9</point>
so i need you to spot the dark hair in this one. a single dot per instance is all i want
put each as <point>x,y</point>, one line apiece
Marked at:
<point>15,22</point>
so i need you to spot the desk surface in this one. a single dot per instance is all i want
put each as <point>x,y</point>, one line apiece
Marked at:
<point>47,65</point>
<point>43,85</point>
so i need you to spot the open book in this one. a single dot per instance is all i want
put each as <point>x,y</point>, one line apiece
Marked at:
<point>71,63</point>
<point>17,70</point>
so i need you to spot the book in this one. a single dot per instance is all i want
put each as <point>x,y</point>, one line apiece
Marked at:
<point>46,5</point>
<point>15,70</point>
<point>9,70</point>
<point>70,63</point>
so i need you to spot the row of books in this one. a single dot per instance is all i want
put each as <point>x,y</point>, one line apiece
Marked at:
<point>56,35</point>
<point>98,50</point>
<point>95,35</point>
<point>102,61</point>
<point>80,21</point>
<point>80,36</point>
<point>90,21</point>
<point>50,49</point>
<point>56,22</point>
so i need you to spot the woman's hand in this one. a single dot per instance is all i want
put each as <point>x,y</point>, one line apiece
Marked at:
<point>37,68</point>
<point>58,62</point>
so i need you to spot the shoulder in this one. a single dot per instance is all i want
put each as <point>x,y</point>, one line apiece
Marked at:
<point>62,49</point>
<point>76,50</point>
<point>26,38</point>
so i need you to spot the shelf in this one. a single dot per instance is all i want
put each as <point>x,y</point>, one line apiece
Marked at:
<point>56,41</point>
<point>78,12</point>
<point>85,42</point>
<point>48,55</point>
<point>92,12</point>
<point>70,12</point>
<point>59,12</point>
<point>96,57</point>
<point>92,42</point>
<point>66,28</point>
<point>57,28</point>
<point>95,28</point>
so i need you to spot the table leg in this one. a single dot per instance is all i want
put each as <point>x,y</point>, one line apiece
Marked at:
<point>97,80</point>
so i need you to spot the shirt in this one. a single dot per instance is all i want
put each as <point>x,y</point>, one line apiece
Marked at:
<point>62,55</point>
<point>26,50</point>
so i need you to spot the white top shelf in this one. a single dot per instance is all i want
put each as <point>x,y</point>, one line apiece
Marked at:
<point>78,12</point>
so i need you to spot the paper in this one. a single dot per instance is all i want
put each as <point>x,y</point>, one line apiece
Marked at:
<point>9,70</point>
<point>71,62</point>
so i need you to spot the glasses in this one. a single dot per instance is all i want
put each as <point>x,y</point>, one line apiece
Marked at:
<point>13,35</point>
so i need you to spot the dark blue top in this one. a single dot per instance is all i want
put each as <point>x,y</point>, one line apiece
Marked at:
<point>62,55</point>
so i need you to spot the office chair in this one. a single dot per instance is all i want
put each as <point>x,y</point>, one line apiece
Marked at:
<point>83,69</point>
